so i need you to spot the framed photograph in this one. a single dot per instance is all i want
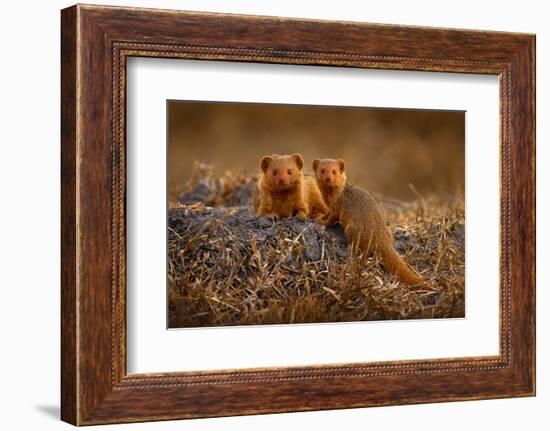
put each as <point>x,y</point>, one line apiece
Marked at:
<point>265,215</point>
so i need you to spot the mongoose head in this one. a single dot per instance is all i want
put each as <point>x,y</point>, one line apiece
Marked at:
<point>330,172</point>
<point>282,172</point>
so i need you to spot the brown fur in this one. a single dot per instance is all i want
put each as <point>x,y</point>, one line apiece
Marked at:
<point>284,191</point>
<point>317,208</point>
<point>364,225</point>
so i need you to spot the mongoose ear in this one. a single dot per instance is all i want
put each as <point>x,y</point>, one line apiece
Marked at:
<point>316,164</point>
<point>342,165</point>
<point>265,162</point>
<point>298,160</point>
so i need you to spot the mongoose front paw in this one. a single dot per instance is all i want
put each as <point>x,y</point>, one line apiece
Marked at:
<point>326,220</point>
<point>324,217</point>
<point>263,212</point>
<point>301,215</point>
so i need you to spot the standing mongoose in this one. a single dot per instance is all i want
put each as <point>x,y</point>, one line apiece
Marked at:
<point>364,225</point>
<point>284,191</point>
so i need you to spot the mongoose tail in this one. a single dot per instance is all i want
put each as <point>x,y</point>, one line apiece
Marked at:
<point>380,241</point>
<point>395,264</point>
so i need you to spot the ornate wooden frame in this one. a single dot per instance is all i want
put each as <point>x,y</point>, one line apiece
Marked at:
<point>95,43</point>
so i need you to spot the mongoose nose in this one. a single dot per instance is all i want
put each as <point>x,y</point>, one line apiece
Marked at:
<point>282,182</point>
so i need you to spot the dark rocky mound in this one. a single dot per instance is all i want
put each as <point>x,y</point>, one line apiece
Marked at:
<point>227,214</point>
<point>238,226</point>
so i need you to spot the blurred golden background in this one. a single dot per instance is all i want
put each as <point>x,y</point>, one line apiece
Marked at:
<point>386,150</point>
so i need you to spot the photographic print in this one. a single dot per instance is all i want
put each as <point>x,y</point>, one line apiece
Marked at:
<point>288,214</point>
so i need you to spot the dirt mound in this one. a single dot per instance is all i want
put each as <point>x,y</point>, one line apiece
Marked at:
<point>239,226</point>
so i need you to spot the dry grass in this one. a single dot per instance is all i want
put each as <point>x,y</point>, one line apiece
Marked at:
<point>229,267</point>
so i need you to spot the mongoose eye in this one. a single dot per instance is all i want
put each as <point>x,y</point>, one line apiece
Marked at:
<point>274,172</point>
<point>334,172</point>
<point>289,172</point>
<point>322,171</point>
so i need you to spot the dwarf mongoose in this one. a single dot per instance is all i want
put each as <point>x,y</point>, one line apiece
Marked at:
<point>364,225</point>
<point>284,191</point>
